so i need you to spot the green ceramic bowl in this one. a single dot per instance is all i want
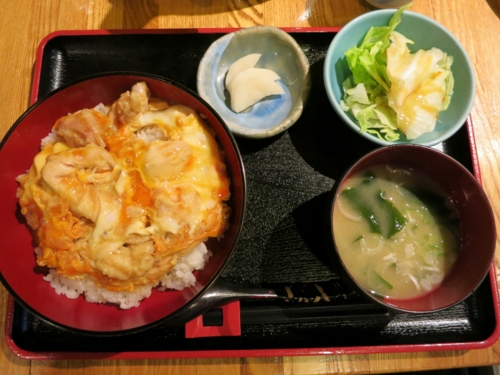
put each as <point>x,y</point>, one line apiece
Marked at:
<point>426,33</point>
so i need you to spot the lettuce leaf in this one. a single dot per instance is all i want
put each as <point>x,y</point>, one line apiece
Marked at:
<point>371,110</point>
<point>445,63</point>
<point>368,61</point>
<point>365,93</point>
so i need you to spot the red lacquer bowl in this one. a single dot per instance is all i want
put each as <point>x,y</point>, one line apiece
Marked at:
<point>477,225</point>
<point>17,260</point>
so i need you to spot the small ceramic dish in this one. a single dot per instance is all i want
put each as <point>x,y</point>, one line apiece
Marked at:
<point>425,33</point>
<point>281,54</point>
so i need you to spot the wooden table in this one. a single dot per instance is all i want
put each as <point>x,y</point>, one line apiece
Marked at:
<point>474,22</point>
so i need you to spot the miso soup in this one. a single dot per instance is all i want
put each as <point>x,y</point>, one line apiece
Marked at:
<point>395,231</point>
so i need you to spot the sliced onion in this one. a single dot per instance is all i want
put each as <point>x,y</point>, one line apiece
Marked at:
<point>426,284</point>
<point>436,277</point>
<point>431,257</point>
<point>398,170</point>
<point>411,220</point>
<point>370,250</point>
<point>427,268</point>
<point>398,238</point>
<point>344,212</point>
<point>415,281</point>
<point>404,267</point>
<point>409,250</point>
<point>389,256</point>
<point>399,175</point>
<point>419,240</point>
<point>389,260</point>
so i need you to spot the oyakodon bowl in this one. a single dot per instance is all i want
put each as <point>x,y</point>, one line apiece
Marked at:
<point>281,54</point>
<point>19,271</point>
<point>426,33</point>
<point>477,231</point>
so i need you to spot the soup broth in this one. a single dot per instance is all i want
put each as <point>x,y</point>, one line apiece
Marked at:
<point>395,231</point>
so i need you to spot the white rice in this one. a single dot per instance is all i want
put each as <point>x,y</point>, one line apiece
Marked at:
<point>102,108</point>
<point>150,133</point>
<point>180,277</point>
<point>52,137</point>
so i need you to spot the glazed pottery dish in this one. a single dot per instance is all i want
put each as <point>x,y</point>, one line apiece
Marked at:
<point>266,52</point>
<point>393,104</point>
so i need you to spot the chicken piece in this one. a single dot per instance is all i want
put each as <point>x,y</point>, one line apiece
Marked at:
<point>176,208</point>
<point>124,263</point>
<point>84,127</point>
<point>164,160</point>
<point>130,104</point>
<point>75,175</point>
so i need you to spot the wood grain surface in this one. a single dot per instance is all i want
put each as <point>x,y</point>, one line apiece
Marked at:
<point>474,22</point>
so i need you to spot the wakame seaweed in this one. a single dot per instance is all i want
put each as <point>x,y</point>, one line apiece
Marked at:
<point>372,210</point>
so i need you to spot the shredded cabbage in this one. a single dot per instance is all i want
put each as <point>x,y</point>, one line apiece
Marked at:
<point>387,102</point>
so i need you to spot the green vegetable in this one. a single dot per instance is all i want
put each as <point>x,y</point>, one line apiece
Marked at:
<point>359,204</point>
<point>368,62</point>
<point>383,281</point>
<point>366,91</point>
<point>381,215</point>
<point>358,239</point>
<point>396,220</point>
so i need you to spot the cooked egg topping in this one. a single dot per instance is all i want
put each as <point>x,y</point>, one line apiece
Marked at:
<point>120,193</point>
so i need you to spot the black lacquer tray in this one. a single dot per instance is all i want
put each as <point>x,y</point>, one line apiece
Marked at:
<point>289,177</point>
